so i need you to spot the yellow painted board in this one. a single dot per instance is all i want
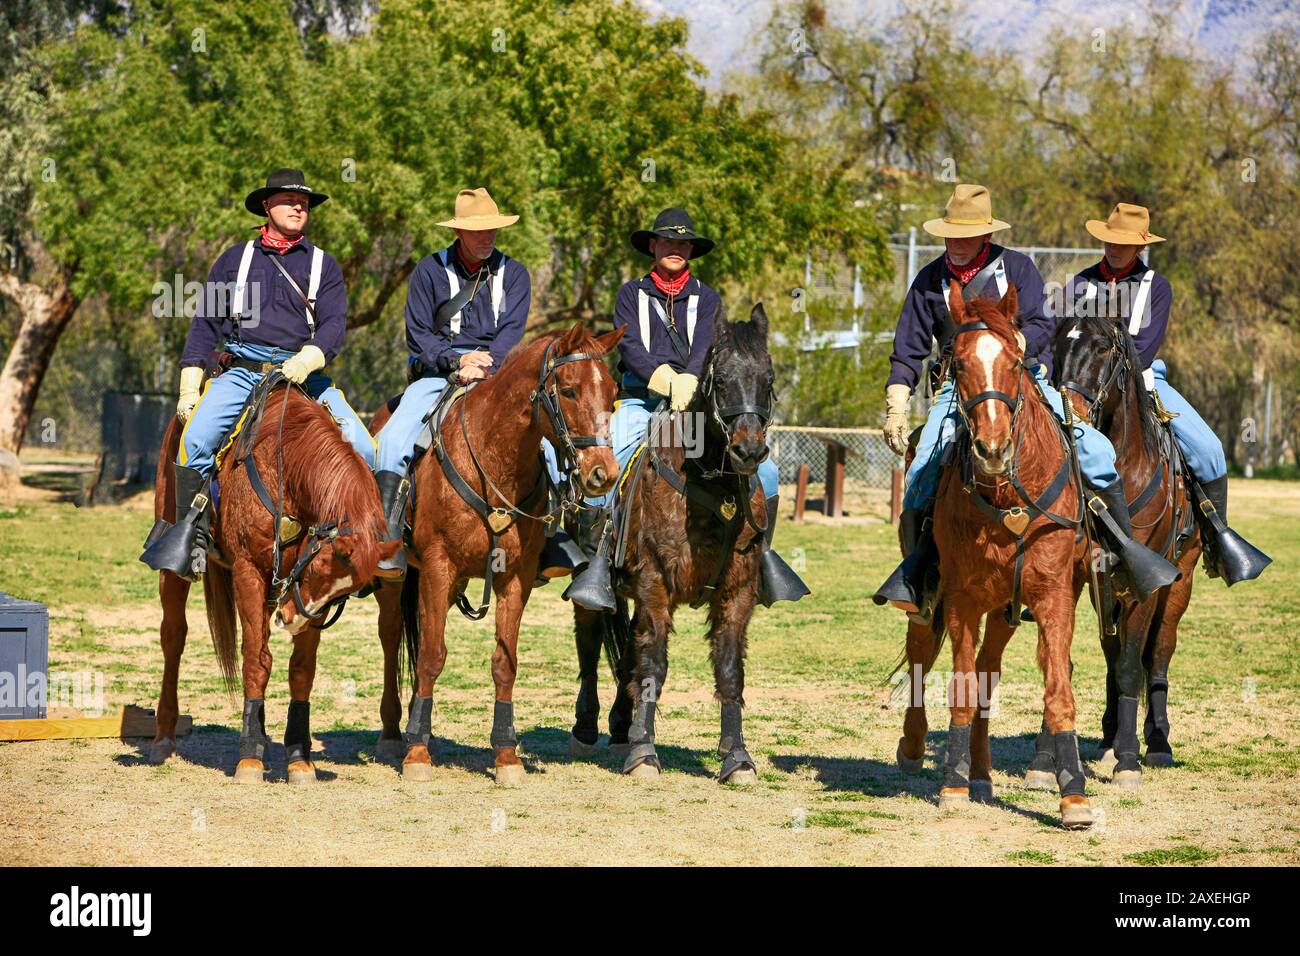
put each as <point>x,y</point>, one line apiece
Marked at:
<point>132,721</point>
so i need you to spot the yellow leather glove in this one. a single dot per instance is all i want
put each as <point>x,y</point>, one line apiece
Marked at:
<point>661,381</point>
<point>308,360</point>
<point>683,388</point>
<point>191,379</point>
<point>897,424</point>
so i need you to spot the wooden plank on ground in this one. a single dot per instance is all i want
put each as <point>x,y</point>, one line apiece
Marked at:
<point>132,721</point>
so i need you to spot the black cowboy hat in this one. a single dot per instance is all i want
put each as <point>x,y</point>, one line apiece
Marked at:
<point>672,224</point>
<point>282,181</point>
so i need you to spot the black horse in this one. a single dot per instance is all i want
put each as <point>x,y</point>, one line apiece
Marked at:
<point>689,529</point>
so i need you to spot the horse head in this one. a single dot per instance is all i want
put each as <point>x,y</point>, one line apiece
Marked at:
<point>1092,364</point>
<point>583,392</point>
<point>332,562</point>
<point>735,394</point>
<point>987,365</point>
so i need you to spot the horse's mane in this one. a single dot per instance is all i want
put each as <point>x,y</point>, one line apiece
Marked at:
<point>321,466</point>
<point>527,351</point>
<point>1104,327</point>
<point>988,311</point>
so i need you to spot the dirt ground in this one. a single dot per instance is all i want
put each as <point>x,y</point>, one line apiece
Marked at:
<point>821,720</point>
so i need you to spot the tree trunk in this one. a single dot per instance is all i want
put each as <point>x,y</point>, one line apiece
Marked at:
<point>45,313</point>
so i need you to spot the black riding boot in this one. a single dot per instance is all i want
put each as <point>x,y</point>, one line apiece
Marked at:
<point>560,556</point>
<point>182,547</point>
<point>593,587</point>
<point>1145,570</point>
<point>393,489</point>
<point>1227,554</point>
<point>912,587</point>
<point>777,581</point>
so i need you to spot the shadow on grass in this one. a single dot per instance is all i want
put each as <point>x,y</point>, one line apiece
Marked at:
<point>552,744</point>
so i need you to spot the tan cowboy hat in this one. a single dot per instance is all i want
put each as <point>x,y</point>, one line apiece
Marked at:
<point>1126,226</point>
<point>476,212</point>
<point>969,213</point>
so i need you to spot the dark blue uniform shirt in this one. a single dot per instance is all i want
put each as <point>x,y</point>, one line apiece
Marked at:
<point>925,315</point>
<point>642,361</point>
<point>278,318</point>
<point>429,287</point>
<point>1152,324</point>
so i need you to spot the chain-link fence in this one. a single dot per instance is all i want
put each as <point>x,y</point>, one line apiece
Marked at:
<point>869,460</point>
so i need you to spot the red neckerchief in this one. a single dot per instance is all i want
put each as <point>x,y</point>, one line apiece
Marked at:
<point>964,274</point>
<point>276,244</point>
<point>1112,276</point>
<point>671,287</point>
<point>470,267</point>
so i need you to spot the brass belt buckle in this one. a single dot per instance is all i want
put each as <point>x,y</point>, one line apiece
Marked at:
<point>266,367</point>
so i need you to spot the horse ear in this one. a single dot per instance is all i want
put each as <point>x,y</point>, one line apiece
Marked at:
<point>609,340</point>
<point>956,304</point>
<point>721,328</point>
<point>758,319</point>
<point>572,337</point>
<point>1010,305</point>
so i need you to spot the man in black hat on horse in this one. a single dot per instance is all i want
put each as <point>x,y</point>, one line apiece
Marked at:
<point>277,300</point>
<point>669,316</point>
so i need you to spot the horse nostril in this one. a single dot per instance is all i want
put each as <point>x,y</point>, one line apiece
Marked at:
<point>598,475</point>
<point>981,449</point>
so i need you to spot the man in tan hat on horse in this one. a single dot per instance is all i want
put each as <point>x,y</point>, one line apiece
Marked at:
<point>980,267</point>
<point>466,307</point>
<point>1123,287</point>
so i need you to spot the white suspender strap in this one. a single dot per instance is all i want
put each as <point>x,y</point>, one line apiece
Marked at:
<point>1000,277</point>
<point>313,287</point>
<point>643,316</point>
<point>692,312</point>
<point>241,282</point>
<point>454,284</point>
<point>1140,302</point>
<point>498,290</point>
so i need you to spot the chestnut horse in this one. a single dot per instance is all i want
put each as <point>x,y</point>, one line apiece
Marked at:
<point>556,387</point>
<point>1100,374</point>
<point>330,493</point>
<point>690,535</point>
<point>1005,524</point>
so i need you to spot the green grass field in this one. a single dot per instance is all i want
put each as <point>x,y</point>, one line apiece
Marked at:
<point>820,719</point>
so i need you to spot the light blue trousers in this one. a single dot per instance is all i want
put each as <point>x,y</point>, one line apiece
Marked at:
<point>396,440</point>
<point>1096,454</point>
<point>628,427</point>
<point>223,399</point>
<point>1200,446</point>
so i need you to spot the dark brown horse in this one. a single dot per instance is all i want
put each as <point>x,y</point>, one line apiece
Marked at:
<point>1100,374</point>
<point>1005,524</point>
<point>556,387</point>
<point>330,494</point>
<point>691,536</point>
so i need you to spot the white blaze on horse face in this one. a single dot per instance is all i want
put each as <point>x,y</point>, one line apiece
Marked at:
<point>987,350</point>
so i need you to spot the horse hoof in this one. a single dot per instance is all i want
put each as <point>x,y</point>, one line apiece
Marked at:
<point>909,765</point>
<point>1127,779</point>
<point>1107,756</point>
<point>160,750</point>
<point>620,750</point>
<point>417,772</point>
<point>1039,780</point>
<point>1158,758</point>
<point>1076,813</point>
<point>981,791</point>
<point>511,775</point>
<point>743,777</point>
<point>646,771</point>
<point>391,749</point>
<point>250,771</point>
<point>579,749</point>
<point>302,773</point>
<point>952,798</point>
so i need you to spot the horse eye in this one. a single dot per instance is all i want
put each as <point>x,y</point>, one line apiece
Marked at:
<point>568,392</point>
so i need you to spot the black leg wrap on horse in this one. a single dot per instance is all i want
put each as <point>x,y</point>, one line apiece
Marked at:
<point>419,722</point>
<point>253,741</point>
<point>620,718</point>
<point>956,767</point>
<point>731,746</point>
<point>1044,752</point>
<point>641,736</point>
<point>1069,769</point>
<point>1126,738</point>
<point>587,711</point>
<point>297,731</point>
<point>1156,728</point>
<point>503,726</point>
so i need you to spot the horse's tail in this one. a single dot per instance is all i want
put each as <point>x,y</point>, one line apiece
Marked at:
<point>219,596</point>
<point>410,624</point>
<point>164,487</point>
